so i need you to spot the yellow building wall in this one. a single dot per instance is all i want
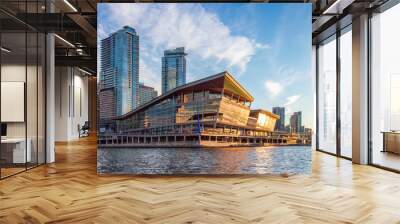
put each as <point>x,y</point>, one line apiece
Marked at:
<point>233,112</point>
<point>266,122</point>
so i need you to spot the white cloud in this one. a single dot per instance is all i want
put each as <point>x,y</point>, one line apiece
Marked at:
<point>263,46</point>
<point>274,88</point>
<point>149,77</point>
<point>292,99</point>
<point>287,77</point>
<point>101,32</point>
<point>288,111</point>
<point>201,32</point>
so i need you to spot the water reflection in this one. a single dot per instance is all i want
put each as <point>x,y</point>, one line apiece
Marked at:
<point>241,160</point>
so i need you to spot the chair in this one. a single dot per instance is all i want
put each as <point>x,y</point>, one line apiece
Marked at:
<point>84,130</point>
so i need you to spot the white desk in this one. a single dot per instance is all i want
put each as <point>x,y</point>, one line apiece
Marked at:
<point>18,147</point>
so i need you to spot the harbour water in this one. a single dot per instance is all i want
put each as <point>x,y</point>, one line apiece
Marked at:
<point>280,160</point>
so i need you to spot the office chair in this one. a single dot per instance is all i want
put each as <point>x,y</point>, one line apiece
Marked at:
<point>84,130</point>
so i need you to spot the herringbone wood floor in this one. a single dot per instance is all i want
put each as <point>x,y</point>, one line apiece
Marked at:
<point>70,191</point>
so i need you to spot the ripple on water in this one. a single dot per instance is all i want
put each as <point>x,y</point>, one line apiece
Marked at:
<point>283,160</point>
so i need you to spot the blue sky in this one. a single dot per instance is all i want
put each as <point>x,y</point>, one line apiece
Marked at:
<point>267,47</point>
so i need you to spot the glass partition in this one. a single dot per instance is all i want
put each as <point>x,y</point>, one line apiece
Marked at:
<point>327,95</point>
<point>22,77</point>
<point>13,94</point>
<point>385,89</point>
<point>31,97</point>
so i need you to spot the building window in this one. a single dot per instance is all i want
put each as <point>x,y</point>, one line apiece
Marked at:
<point>327,95</point>
<point>385,88</point>
<point>346,92</point>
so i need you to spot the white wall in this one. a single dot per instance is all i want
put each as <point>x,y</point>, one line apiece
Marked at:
<point>33,126</point>
<point>71,102</point>
<point>9,73</point>
<point>61,103</point>
<point>17,73</point>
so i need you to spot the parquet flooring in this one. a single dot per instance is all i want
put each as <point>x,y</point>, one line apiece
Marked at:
<point>70,191</point>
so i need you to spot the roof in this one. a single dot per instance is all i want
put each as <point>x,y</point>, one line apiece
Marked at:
<point>176,51</point>
<point>218,82</point>
<point>232,85</point>
<point>141,85</point>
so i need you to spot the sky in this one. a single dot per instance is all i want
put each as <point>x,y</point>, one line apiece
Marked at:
<point>266,47</point>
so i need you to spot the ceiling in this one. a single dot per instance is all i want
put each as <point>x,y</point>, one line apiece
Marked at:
<point>75,22</point>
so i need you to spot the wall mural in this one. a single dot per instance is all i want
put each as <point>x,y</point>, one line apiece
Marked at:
<point>204,88</point>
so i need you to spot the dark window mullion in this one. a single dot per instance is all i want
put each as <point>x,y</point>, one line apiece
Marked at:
<point>26,86</point>
<point>369,90</point>
<point>37,90</point>
<point>338,80</point>
<point>317,97</point>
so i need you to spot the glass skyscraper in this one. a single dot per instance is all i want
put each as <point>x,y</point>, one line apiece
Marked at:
<point>119,73</point>
<point>173,69</point>
<point>295,123</point>
<point>280,124</point>
<point>146,93</point>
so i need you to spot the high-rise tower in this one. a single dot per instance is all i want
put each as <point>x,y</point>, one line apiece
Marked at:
<point>280,124</point>
<point>119,73</point>
<point>173,69</point>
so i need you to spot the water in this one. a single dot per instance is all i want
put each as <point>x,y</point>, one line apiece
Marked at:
<point>242,160</point>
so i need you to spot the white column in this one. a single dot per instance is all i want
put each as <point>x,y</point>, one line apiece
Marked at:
<point>360,90</point>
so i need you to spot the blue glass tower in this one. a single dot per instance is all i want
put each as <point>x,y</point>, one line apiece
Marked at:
<point>295,123</point>
<point>173,69</point>
<point>280,124</point>
<point>119,73</point>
